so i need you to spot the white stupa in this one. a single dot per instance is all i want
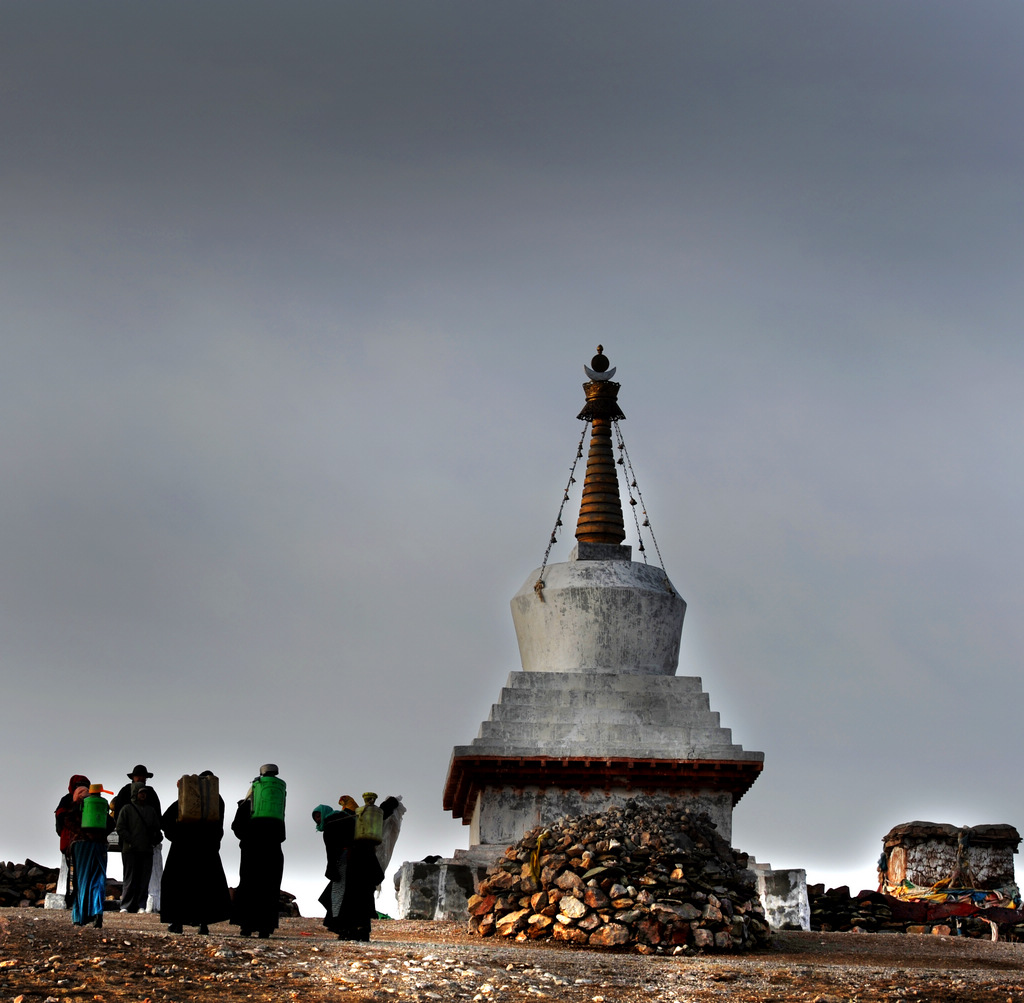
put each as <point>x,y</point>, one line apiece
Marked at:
<point>597,714</point>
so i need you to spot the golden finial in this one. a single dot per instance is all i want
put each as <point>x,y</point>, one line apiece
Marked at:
<point>600,518</point>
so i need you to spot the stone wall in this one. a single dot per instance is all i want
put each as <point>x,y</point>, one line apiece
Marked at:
<point>502,815</point>
<point>870,912</point>
<point>26,885</point>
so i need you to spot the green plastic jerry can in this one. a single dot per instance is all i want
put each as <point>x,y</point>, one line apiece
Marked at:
<point>95,809</point>
<point>268,795</point>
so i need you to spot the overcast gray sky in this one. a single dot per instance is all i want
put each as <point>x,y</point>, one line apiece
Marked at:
<point>296,299</point>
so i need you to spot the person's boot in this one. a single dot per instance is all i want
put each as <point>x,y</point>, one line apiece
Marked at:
<point>98,921</point>
<point>174,928</point>
<point>203,929</point>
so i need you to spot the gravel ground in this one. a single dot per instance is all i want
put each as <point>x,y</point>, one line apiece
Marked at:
<point>44,959</point>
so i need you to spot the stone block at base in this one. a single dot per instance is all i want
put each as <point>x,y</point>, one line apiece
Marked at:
<point>784,896</point>
<point>437,890</point>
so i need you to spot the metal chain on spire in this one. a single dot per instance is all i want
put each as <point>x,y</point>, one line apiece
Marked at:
<point>627,463</point>
<point>539,584</point>
<point>636,519</point>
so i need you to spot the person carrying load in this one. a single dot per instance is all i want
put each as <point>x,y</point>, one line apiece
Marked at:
<point>259,826</point>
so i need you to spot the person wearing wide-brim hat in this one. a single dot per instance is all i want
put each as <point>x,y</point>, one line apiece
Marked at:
<point>138,775</point>
<point>138,828</point>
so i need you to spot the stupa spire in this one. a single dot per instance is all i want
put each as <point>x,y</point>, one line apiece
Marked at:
<point>600,519</point>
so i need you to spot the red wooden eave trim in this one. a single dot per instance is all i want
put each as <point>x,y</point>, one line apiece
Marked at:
<point>468,775</point>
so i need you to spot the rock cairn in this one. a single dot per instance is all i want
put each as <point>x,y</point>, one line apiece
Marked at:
<point>26,884</point>
<point>651,880</point>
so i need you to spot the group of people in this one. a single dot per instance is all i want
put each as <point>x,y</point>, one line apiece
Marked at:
<point>191,888</point>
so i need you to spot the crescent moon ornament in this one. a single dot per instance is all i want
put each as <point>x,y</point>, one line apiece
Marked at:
<point>599,376</point>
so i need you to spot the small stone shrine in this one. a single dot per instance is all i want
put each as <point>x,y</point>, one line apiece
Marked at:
<point>597,715</point>
<point>919,857</point>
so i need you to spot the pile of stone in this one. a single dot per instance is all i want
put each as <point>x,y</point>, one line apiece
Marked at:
<point>26,884</point>
<point>650,880</point>
<point>837,910</point>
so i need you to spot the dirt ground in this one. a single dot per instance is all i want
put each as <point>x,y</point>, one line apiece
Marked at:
<point>44,959</point>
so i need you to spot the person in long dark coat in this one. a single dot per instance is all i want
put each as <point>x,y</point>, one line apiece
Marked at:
<point>353,870</point>
<point>256,905</point>
<point>194,890</point>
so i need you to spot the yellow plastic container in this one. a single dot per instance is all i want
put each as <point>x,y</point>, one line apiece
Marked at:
<point>369,820</point>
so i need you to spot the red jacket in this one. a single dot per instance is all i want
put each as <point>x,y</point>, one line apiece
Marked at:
<point>69,815</point>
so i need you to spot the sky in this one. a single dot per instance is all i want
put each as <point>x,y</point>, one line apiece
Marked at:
<point>295,304</point>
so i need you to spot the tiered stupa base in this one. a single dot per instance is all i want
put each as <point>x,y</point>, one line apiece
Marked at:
<point>535,759</point>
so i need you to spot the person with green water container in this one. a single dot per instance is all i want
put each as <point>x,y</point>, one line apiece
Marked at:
<point>89,852</point>
<point>259,826</point>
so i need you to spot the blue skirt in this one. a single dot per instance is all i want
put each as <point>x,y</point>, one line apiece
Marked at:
<point>90,861</point>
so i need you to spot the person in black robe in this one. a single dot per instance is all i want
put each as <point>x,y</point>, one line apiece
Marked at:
<point>257,900</point>
<point>194,890</point>
<point>353,870</point>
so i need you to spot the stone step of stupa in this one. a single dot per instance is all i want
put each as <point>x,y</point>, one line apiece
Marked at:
<point>540,684</point>
<point>605,742</point>
<point>654,714</point>
<point>600,715</point>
